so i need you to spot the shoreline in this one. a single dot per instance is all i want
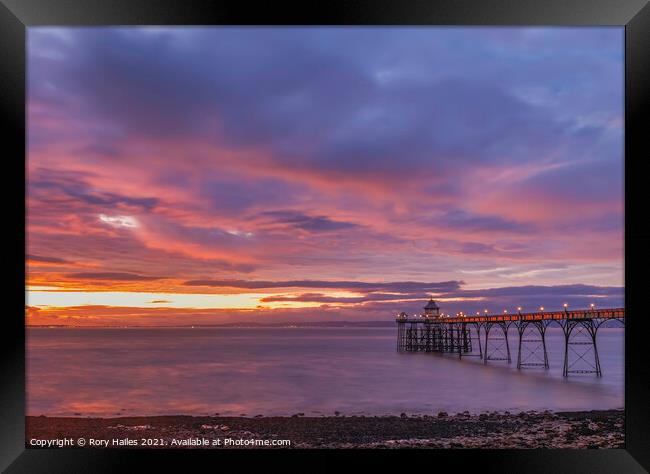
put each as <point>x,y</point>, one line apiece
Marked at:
<point>596,429</point>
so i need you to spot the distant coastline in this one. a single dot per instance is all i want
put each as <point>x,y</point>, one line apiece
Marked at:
<point>318,324</point>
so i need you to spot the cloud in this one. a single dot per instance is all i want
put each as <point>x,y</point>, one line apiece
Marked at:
<point>320,109</point>
<point>113,276</point>
<point>533,291</point>
<point>119,221</point>
<point>307,223</point>
<point>463,220</point>
<point>321,298</point>
<point>52,182</point>
<point>506,296</point>
<point>404,286</point>
<point>44,259</point>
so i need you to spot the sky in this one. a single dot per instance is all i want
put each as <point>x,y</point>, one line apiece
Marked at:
<point>216,175</point>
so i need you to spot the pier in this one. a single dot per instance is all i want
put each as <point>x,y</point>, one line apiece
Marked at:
<point>486,336</point>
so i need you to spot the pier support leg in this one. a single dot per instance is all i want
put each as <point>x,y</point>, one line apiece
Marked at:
<point>488,326</point>
<point>500,347</point>
<point>579,339</point>
<point>467,339</point>
<point>452,339</point>
<point>543,331</point>
<point>532,339</point>
<point>520,331</point>
<point>593,330</point>
<point>504,327</point>
<point>400,337</point>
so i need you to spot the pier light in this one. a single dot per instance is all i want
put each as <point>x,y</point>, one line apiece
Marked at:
<point>486,311</point>
<point>592,305</point>
<point>519,308</point>
<point>565,305</point>
<point>477,313</point>
<point>541,308</point>
<point>505,311</point>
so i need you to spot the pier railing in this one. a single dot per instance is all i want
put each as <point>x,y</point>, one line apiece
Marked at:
<point>609,313</point>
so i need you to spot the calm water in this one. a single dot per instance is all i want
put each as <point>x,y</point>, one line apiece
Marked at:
<point>283,371</point>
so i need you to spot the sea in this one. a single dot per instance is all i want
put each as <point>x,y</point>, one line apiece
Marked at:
<point>315,371</point>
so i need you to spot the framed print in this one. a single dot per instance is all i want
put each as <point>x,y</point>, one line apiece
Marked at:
<point>364,227</point>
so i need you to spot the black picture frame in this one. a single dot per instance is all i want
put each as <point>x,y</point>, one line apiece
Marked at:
<point>17,15</point>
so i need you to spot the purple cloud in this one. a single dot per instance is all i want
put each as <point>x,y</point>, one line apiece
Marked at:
<point>302,221</point>
<point>113,276</point>
<point>46,259</point>
<point>398,287</point>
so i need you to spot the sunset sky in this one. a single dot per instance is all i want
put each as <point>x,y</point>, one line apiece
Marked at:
<point>209,175</point>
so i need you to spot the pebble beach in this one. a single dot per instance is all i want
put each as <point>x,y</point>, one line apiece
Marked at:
<point>501,430</point>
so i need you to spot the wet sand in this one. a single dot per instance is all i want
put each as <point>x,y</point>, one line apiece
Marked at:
<point>576,430</point>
